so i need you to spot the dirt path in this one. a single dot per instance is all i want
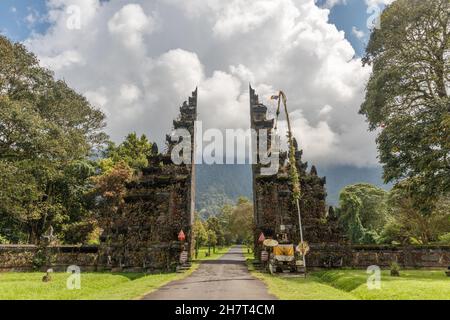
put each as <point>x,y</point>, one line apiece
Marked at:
<point>223,279</point>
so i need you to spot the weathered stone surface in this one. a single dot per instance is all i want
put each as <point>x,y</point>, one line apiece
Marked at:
<point>358,256</point>
<point>30,257</point>
<point>273,205</point>
<point>22,257</point>
<point>159,204</point>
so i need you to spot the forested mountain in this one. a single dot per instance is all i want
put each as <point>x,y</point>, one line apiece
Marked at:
<point>342,176</point>
<point>218,185</point>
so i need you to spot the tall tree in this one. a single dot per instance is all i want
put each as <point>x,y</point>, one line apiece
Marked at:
<point>200,234</point>
<point>47,131</point>
<point>110,189</point>
<point>406,224</point>
<point>363,212</point>
<point>407,97</point>
<point>241,221</point>
<point>213,224</point>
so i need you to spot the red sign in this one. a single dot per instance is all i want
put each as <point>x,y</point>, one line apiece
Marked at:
<point>261,237</point>
<point>181,236</point>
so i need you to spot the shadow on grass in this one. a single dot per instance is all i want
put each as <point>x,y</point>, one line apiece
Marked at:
<point>349,280</point>
<point>135,276</point>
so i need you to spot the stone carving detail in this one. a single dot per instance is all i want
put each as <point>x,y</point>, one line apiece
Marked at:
<point>273,204</point>
<point>158,205</point>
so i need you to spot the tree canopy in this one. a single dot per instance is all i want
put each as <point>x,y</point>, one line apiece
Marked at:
<point>362,212</point>
<point>134,151</point>
<point>407,98</point>
<point>47,132</point>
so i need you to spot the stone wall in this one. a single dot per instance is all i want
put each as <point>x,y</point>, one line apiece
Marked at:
<point>25,257</point>
<point>362,256</point>
<point>30,257</point>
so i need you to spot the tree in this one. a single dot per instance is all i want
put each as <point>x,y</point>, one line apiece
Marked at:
<point>213,224</point>
<point>200,234</point>
<point>225,218</point>
<point>407,96</point>
<point>212,241</point>
<point>241,221</point>
<point>407,225</point>
<point>117,168</point>
<point>110,189</point>
<point>133,150</point>
<point>47,132</point>
<point>362,212</point>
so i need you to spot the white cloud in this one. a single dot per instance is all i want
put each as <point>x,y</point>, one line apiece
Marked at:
<point>97,97</point>
<point>244,16</point>
<point>139,62</point>
<point>378,2</point>
<point>130,24</point>
<point>30,19</point>
<point>63,60</point>
<point>129,93</point>
<point>331,3</point>
<point>358,33</point>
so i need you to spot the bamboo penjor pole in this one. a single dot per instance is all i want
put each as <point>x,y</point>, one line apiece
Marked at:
<point>293,172</point>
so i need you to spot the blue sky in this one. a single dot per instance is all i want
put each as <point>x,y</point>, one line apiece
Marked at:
<point>353,14</point>
<point>19,18</point>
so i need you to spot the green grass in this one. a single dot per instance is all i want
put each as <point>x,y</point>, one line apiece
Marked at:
<point>352,284</point>
<point>301,289</point>
<point>220,251</point>
<point>94,286</point>
<point>411,285</point>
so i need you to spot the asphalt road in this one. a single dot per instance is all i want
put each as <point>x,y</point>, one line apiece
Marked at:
<point>223,279</point>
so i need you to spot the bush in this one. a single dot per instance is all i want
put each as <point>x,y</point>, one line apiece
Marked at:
<point>444,239</point>
<point>80,232</point>
<point>395,269</point>
<point>3,240</point>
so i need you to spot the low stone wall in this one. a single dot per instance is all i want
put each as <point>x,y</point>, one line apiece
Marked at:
<point>362,256</point>
<point>29,257</point>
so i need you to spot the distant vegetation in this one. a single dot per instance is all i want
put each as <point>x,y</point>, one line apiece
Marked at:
<point>370,215</point>
<point>233,225</point>
<point>220,185</point>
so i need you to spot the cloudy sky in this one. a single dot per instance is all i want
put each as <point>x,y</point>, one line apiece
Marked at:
<point>138,61</point>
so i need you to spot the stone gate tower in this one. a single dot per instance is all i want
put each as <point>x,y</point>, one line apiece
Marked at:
<point>273,205</point>
<point>158,205</point>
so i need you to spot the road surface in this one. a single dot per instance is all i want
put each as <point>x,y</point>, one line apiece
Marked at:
<point>224,279</point>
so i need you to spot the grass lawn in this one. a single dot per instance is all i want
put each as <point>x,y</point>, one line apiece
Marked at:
<point>220,251</point>
<point>94,286</point>
<point>352,284</point>
<point>411,285</point>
